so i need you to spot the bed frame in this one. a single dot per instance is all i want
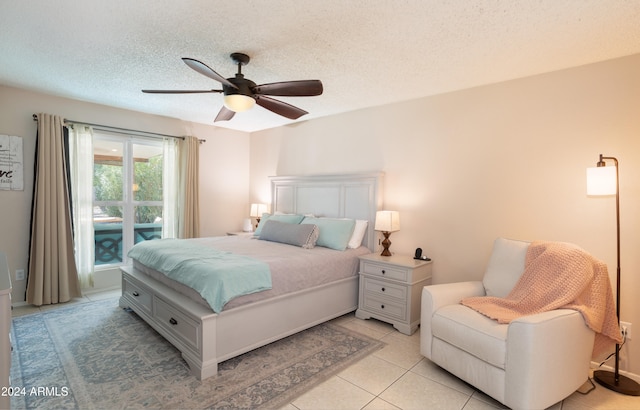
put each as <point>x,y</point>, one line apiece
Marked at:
<point>206,338</point>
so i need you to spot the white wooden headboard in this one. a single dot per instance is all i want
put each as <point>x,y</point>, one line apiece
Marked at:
<point>355,196</point>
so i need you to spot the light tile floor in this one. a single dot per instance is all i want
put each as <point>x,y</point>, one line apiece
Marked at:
<point>399,377</point>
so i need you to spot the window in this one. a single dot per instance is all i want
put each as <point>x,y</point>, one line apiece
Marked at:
<point>127,194</point>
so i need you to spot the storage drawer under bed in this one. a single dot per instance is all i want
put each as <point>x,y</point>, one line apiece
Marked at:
<point>140,295</point>
<point>176,322</point>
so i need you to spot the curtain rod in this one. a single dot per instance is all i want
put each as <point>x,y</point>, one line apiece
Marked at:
<point>109,127</point>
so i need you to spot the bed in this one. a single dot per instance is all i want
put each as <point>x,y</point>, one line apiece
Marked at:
<point>206,338</point>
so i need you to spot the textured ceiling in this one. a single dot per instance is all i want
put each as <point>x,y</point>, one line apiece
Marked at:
<point>367,53</point>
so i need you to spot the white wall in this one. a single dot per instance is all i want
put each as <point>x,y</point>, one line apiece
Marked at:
<point>224,168</point>
<point>507,159</point>
<point>462,168</point>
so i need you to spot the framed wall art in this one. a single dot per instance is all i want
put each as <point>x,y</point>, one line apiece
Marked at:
<point>11,164</point>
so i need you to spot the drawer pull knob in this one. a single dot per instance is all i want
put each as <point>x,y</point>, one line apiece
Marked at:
<point>135,293</point>
<point>383,271</point>
<point>381,306</point>
<point>383,289</point>
<point>173,321</point>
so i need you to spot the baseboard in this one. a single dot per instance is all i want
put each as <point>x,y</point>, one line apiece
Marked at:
<point>85,292</point>
<point>91,291</point>
<point>633,376</point>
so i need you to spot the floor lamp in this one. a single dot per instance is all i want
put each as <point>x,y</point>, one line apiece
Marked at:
<point>603,180</point>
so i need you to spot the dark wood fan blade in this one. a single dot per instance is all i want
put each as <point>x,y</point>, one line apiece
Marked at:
<point>225,114</point>
<point>205,70</point>
<point>302,88</point>
<point>180,91</point>
<point>280,108</point>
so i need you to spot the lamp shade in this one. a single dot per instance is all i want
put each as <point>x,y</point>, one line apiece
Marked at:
<point>257,210</point>
<point>238,102</point>
<point>601,181</point>
<point>387,221</point>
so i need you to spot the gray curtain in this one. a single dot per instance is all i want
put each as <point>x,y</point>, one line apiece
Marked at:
<point>53,277</point>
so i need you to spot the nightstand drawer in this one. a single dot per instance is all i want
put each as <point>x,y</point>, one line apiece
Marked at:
<point>376,287</point>
<point>393,310</point>
<point>177,323</point>
<point>137,294</point>
<point>384,271</point>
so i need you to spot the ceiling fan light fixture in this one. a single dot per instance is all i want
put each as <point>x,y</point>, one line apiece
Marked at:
<point>241,94</point>
<point>239,102</point>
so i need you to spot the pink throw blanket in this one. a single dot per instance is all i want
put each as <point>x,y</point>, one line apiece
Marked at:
<point>559,275</point>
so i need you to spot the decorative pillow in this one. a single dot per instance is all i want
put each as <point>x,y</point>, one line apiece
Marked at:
<point>292,234</point>
<point>505,266</point>
<point>334,233</point>
<point>288,218</point>
<point>358,233</point>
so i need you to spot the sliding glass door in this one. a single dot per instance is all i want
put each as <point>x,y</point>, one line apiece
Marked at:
<point>128,194</point>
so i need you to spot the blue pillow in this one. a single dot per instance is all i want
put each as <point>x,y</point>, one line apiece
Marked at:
<point>334,233</point>
<point>288,218</point>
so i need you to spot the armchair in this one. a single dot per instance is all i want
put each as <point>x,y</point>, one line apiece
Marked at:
<point>531,363</point>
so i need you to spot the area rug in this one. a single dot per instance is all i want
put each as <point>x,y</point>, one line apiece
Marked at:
<point>98,356</point>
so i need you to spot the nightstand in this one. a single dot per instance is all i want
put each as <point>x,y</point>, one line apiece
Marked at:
<point>390,289</point>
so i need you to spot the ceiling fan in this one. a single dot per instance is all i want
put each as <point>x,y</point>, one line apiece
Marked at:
<point>241,94</point>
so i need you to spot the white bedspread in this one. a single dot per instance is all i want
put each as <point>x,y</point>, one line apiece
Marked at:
<point>292,268</point>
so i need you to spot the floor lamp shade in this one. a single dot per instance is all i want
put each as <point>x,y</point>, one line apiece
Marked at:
<point>601,181</point>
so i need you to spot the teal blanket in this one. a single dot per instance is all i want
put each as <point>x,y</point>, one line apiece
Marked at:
<point>216,275</point>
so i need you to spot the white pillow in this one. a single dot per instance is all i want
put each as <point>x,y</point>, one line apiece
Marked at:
<point>505,266</point>
<point>358,234</point>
